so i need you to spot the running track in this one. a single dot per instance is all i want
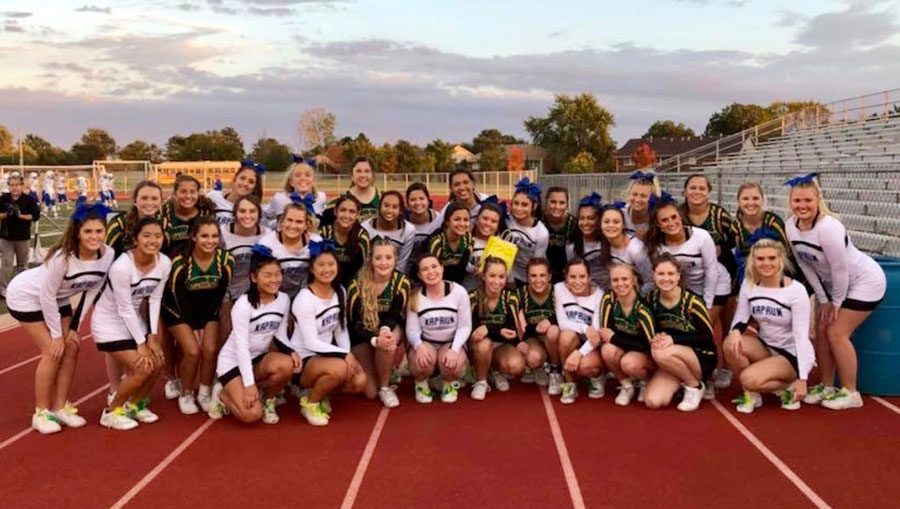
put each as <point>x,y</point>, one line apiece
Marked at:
<point>517,449</point>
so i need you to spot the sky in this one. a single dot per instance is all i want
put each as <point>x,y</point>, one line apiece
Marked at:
<point>424,69</point>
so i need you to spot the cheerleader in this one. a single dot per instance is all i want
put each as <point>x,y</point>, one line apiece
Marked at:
<point>247,181</point>
<point>848,284</point>
<point>626,331</point>
<point>61,196</point>
<point>377,303</point>
<point>290,244</point>
<point>438,325</point>
<point>462,191</point>
<point>752,217</point>
<point>561,228</point>
<point>487,225</point>
<point>643,187</point>
<point>247,365</point>
<point>617,246</point>
<point>48,195</point>
<point>421,214</point>
<point>181,212</point>
<point>39,299</point>
<point>81,188</point>
<point>300,179</point>
<point>146,201</point>
<point>780,357</point>
<point>239,237</point>
<point>525,230</point>
<point>585,244</point>
<point>120,328</point>
<point>389,224</point>
<point>322,339</point>
<point>683,348</point>
<point>362,175</point>
<point>350,239</point>
<point>191,302</point>
<point>452,244</point>
<point>577,303</point>
<point>496,332</point>
<point>538,317</point>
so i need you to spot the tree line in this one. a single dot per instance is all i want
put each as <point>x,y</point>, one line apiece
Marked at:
<point>575,132</point>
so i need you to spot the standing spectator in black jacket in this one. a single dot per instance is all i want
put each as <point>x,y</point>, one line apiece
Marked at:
<point>17,211</point>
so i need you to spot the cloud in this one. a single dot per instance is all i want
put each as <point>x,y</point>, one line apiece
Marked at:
<point>729,3</point>
<point>270,11</point>
<point>95,9</point>
<point>858,25</point>
<point>12,26</point>
<point>186,7</point>
<point>15,14</point>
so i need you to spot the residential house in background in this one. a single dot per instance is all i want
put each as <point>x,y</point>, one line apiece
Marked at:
<point>664,149</point>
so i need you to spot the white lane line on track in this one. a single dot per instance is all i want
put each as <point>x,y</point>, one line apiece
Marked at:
<point>775,460</point>
<point>887,404</point>
<point>368,452</point>
<point>568,470</point>
<point>147,479</point>
<point>15,438</point>
<point>28,361</point>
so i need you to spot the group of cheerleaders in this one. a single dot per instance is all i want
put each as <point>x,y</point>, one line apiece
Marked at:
<point>237,303</point>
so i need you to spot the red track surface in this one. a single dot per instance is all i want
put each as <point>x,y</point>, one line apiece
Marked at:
<point>497,453</point>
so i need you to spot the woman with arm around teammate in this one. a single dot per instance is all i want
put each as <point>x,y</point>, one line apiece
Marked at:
<point>350,239</point>
<point>848,284</point>
<point>247,181</point>
<point>322,339</point>
<point>290,244</point>
<point>39,299</point>
<point>585,243</point>
<point>120,329</point>
<point>377,305</point>
<point>452,244</point>
<point>146,202</point>
<point>438,325</point>
<point>780,357</point>
<point>683,347</point>
<point>642,191</point>
<point>251,373</point>
<point>486,225</point>
<point>561,227</point>
<point>617,246</point>
<point>577,302</point>
<point>300,179</point>
<point>525,229</point>
<point>421,214</point>
<point>390,225</point>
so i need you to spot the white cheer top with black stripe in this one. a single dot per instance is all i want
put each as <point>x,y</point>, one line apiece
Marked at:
<point>282,199</point>
<point>591,256</point>
<point>238,246</point>
<point>318,328</point>
<point>118,315</point>
<point>294,263</point>
<point>701,271</point>
<point>402,238</point>
<point>447,320</point>
<point>252,332</point>
<point>532,242</point>
<point>224,208</point>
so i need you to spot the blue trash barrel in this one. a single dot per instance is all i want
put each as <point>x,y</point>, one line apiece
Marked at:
<point>877,340</point>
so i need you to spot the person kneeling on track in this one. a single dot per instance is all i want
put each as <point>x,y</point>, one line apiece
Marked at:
<point>577,303</point>
<point>541,334</point>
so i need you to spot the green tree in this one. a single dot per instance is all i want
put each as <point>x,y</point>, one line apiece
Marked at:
<point>583,162</point>
<point>359,147</point>
<point>218,145</point>
<point>492,158</point>
<point>489,138</point>
<point>96,145</point>
<point>7,143</point>
<point>139,150</point>
<point>736,117</point>
<point>442,153</point>
<point>385,159</point>
<point>575,125</point>
<point>669,129</point>
<point>272,154</point>
<point>408,159</point>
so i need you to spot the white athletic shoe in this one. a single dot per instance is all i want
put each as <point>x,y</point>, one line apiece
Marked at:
<point>45,422</point>
<point>554,384</point>
<point>500,381</point>
<point>140,413</point>
<point>527,376</point>
<point>187,405</point>
<point>843,399</point>
<point>597,387</point>
<point>569,393</point>
<point>388,397</point>
<point>692,398</point>
<point>480,390</point>
<point>450,392</point>
<point>423,392</point>
<point>626,393</point>
<point>217,409</point>
<point>313,412</point>
<point>722,378</point>
<point>709,392</point>
<point>172,389</point>
<point>68,415</point>
<point>787,399</point>
<point>818,393</point>
<point>204,397</point>
<point>269,415</point>
<point>747,402</point>
<point>110,396</point>
<point>642,390</point>
<point>118,419</point>
<point>540,377</point>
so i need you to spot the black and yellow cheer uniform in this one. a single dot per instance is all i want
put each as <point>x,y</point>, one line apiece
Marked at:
<point>556,249</point>
<point>689,324</point>
<point>632,331</point>
<point>454,261</point>
<point>193,296</point>
<point>502,316</point>
<point>724,231</point>
<point>118,235</point>
<point>535,312</point>
<point>350,256</point>
<point>176,230</point>
<point>366,210</point>
<point>391,308</point>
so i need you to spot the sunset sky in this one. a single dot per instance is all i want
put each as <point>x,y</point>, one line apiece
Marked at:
<point>419,70</point>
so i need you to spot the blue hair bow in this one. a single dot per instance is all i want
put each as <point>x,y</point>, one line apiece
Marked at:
<point>298,159</point>
<point>218,184</point>
<point>83,210</point>
<point>531,189</point>
<point>618,205</point>
<point>317,248</point>
<point>261,251</point>
<point>307,201</point>
<point>762,233</point>
<point>640,176</point>
<point>663,199</point>
<point>593,200</point>
<point>249,163</point>
<point>809,178</point>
